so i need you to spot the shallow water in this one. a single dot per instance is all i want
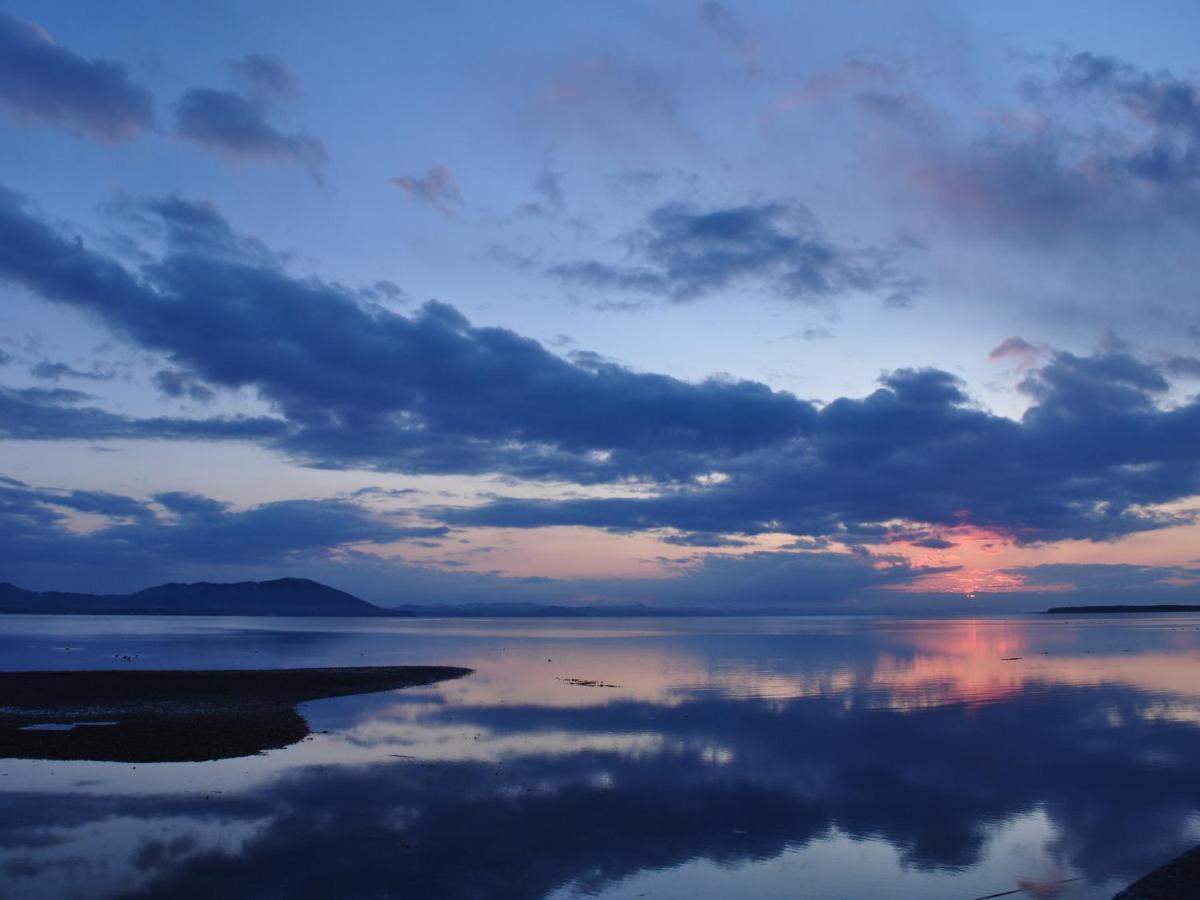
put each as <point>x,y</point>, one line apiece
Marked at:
<point>717,758</point>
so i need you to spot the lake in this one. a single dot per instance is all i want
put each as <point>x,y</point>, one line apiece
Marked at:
<point>1050,757</point>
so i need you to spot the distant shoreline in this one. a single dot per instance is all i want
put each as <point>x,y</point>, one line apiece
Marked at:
<point>1121,608</point>
<point>304,598</point>
<point>418,613</point>
<point>180,614</point>
<point>278,597</point>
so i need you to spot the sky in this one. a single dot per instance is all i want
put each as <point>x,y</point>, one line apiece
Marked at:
<point>854,307</point>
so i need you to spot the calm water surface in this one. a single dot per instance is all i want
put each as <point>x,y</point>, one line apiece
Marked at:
<point>798,757</point>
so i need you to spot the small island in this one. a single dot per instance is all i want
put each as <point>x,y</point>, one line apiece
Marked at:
<point>176,715</point>
<point>1122,608</point>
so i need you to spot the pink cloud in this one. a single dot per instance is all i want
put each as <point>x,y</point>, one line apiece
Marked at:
<point>1016,348</point>
<point>823,86</point>
<point>436,187</point>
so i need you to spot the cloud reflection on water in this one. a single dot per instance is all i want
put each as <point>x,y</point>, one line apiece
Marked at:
<point>756,750</point>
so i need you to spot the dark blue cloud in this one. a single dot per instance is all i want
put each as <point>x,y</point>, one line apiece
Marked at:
<point>41,80</point>
<point>41,414</point>
<point>53,371</point>
<point>684,253</point>
<point>361,385</point>
<point>175,383</point>
<point>266,77</point>
<point>1182,366</point>
<point>176,534</point>
<point>703,539</point>
<point>356,384</point>
<point>186,504</point>
<point>1165,105</point>
<point>239,127</point>
<point>1110,384</point>
<point>35,537</point>
<point>104,503</point>
<point>140,542</point>
<point>933,543</point>
<point>1090,459</point>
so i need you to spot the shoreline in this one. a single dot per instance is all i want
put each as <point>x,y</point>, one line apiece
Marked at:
<point>1176,880</point>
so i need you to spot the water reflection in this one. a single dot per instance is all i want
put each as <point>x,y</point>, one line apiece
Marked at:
<point>786,758</point>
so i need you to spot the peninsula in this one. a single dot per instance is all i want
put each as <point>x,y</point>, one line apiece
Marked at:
<point>177,716</point>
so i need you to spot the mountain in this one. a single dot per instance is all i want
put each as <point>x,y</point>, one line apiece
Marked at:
<point>281,597</point>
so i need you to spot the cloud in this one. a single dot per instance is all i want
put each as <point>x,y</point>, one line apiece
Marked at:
<point>1166,109</point>
<point>1014,348</point>
<point>1107,385</point>
<point>238,128</point>
<point>361,385</point>
<point>1091,459</point>
<point>810,578</point>
<point>614,102</point>
<point>36,538</point>
<point>548,186</point>
<point>1113,582</point>
<point>1075,197</point>
<point>803,580</point>
<point>702,539</point>
<point>179,384</point>
<point>52,414</point>
<point>933,543</point>
<point>683,253</point>
<point>53,371</point>
<point>720,21</point>
<point>174,530</point>
<point>436,187</point>
<point>41,80</point>
<point>1098,150</point>
<point>634,182</point>
<point>826,85</point>
<point>266,78</point>
<point>1182,366</point>
<point>352,384</point>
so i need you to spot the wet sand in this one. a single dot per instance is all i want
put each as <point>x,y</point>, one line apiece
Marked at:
<point>177,716</point>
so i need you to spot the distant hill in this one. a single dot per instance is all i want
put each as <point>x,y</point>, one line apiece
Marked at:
<point>1122,608</point>
<point>281,597</point>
